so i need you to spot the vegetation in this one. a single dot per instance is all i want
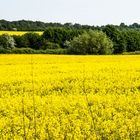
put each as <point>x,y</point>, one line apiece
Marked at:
<point>24,25</point>
<point>7,42</point>
<point>32,51</point>
<point>27,25</point>
<point>75,39</point>
<point>119,42</point>
<point>60,35</point>
<point>69,97</point>
<point>92,42</point>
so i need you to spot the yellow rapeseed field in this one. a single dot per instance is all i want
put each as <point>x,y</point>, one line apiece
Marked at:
<point>58,97</point>
<point>19,33</point>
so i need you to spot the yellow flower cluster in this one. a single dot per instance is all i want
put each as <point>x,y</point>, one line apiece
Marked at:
<point>69,97</point>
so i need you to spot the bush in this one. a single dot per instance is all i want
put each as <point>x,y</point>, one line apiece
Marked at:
<point>91,42</point>
<point>132,53</point>
<point>23,51</point>
<point>21,41</point>
<point>56,51</point>
<point>32,51</point>
<point>31,40</point>
<point>50,45</point>
<point>7,41</point>
<point>4,51</point>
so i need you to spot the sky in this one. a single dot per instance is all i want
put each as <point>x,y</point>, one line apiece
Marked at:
<point>87,12</point>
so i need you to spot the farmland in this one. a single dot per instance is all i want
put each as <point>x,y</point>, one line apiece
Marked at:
<point>69,97</point>
<point>19,33</point>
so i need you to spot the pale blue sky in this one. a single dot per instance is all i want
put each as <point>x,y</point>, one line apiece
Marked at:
<point>92,12</point>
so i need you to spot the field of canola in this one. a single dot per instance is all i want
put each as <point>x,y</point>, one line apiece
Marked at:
<point>58,97</point>
<point>18,33</point>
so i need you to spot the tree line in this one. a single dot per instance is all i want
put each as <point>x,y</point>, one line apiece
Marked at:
<point>27,25</point>
<point>109,39</point>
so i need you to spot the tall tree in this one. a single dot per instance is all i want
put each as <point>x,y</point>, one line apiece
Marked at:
<point>119,42</point>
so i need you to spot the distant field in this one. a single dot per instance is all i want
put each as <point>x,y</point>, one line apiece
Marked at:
<point>69,97</point>
<point>17,32</point>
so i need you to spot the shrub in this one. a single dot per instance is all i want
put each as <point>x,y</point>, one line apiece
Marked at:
<point>7,41</point>
<point>23,51</point>
<point>4,51</point>
<point>91,42</point>
<point>32,51</point>
<point>50,45</point>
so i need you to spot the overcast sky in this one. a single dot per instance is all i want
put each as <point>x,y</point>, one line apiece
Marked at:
<point>92,12</point>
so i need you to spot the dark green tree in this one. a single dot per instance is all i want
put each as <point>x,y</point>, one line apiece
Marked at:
<point>119,42</point>
<point>60,35</point>
<point>34,40</point>
<point>133,40</point>
<point>21,41</point>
